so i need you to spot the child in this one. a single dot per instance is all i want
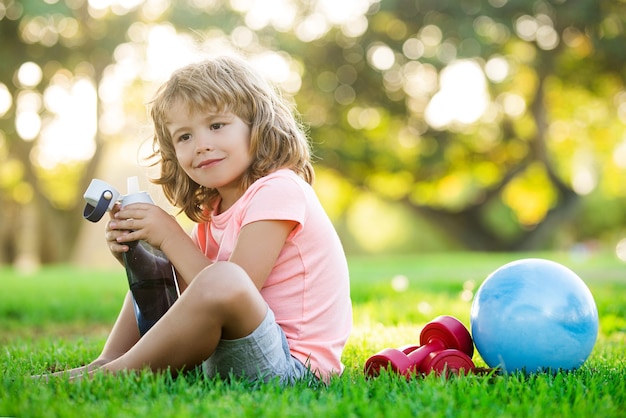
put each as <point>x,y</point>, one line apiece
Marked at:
<point>264,279</point>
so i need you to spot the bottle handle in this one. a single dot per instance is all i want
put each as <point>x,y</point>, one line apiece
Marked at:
<point>95,213</point>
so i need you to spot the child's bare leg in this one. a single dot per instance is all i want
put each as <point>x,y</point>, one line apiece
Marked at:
<point>122,337</point>
<point>221,302</point>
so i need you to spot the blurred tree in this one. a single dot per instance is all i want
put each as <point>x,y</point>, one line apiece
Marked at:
<point>491,119</point>
<point>48,47</point>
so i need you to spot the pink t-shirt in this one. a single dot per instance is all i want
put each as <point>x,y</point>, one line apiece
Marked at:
<point>308,289</point>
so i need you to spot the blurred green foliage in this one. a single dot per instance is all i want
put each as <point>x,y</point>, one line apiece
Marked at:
<point>485,125</point>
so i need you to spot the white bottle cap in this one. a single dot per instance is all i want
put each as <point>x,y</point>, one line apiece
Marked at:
<point>100,197</point>
<point>134,194</point>
<point>100,189</point>
<point>132,183</point>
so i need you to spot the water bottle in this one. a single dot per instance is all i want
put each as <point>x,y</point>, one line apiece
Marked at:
<point>151,276</point>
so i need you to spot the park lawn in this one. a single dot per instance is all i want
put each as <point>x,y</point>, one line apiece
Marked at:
<point>60,317</point>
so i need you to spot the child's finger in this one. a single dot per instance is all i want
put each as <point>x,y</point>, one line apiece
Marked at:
<point>116,247</point>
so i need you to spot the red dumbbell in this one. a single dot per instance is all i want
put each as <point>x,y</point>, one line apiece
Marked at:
<point>396,360</point>
<point>448,361</point>
<point>455,348</point>
<point>445,345</point>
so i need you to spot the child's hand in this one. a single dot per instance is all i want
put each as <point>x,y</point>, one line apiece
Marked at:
<point>142,221</point>
<point>112,233</point>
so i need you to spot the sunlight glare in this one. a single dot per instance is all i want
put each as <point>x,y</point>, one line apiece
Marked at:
<point>28,125</point>
<point>497,69</point>
<point>280,14</point>
<point>54,98</point>
<point>381,57</point>
<point>6,100</point>
<point>355,27</point>
<point>205,4</point>
<point>462,96</point>
<point>27,119</point>
<point>424,307</point>
<point>275,68</point>
<point>153,9</point>
<point>112,121</point>
<point>283,15</point>
<point>540,29</point>
<point>512,104</point>
<point>620,249</point>
<point>69,136</point>
<point>364,118</point>
<point>413,48</point>
<point>584,178</point>
<point>130,4</point>
<point>584,181</point>
<point>243,37</point>
<point>119,7</point>
<point>619,154</point>
<point>431,35</point>
<point>400,283</point>
<point>338,12</point>
<point>129,60</point>
<point>29,74</point>
<point>419,79</point>
<point>29,101</point>
<point>272,65</point>
<point>100,4</point>
<point>621,112</point>
<point>110,89</point>
<point>313,27</point>
<point>166,51</point>
<point>547,38</point>
<point>138,32</point>
<point>526,27</point>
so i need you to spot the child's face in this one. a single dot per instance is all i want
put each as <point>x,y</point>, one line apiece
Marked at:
<point>213,148</point>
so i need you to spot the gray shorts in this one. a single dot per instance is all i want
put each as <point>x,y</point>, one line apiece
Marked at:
<point>263,355</point>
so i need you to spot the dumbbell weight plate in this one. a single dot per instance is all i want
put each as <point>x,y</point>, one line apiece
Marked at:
<point>450,361</point>
<point>389,358</point>
<point>450,331</point>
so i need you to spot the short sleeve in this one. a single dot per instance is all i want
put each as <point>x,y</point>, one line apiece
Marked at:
<point>277,198</point>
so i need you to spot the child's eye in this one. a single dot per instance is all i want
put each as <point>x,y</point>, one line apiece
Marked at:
<point>216,126</point>
<point>184,137</point>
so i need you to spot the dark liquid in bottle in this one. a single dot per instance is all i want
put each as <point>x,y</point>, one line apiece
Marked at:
<point>152,283</point>
<point>152,299</point>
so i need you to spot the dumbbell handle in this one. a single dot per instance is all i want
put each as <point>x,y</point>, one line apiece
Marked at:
<point>444,332</point>
<point>418,355</point>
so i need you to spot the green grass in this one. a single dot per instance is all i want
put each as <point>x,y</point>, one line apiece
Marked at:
<point>60,317</point>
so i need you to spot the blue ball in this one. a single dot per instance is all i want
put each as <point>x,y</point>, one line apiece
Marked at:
<point>534,315</point>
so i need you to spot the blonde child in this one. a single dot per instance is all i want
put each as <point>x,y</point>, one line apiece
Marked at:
<point>264,278</point>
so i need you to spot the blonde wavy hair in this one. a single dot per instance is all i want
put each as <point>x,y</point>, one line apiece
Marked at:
<point>227,84</point>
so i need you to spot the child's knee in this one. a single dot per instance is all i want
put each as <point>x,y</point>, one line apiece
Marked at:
<point>223,282</point>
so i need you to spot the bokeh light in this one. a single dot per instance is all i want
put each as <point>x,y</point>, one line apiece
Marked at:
<point>6,100</point>
<point>462,96</point>
<point>620,249</point>
<point>68,135</point>
<point>29,74</point>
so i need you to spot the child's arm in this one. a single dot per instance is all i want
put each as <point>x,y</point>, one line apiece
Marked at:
<point>141,221</point>
<point>258,247</point>
<point>256,251</point>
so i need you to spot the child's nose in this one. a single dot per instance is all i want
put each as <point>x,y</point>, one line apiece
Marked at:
<point>204,143</point>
